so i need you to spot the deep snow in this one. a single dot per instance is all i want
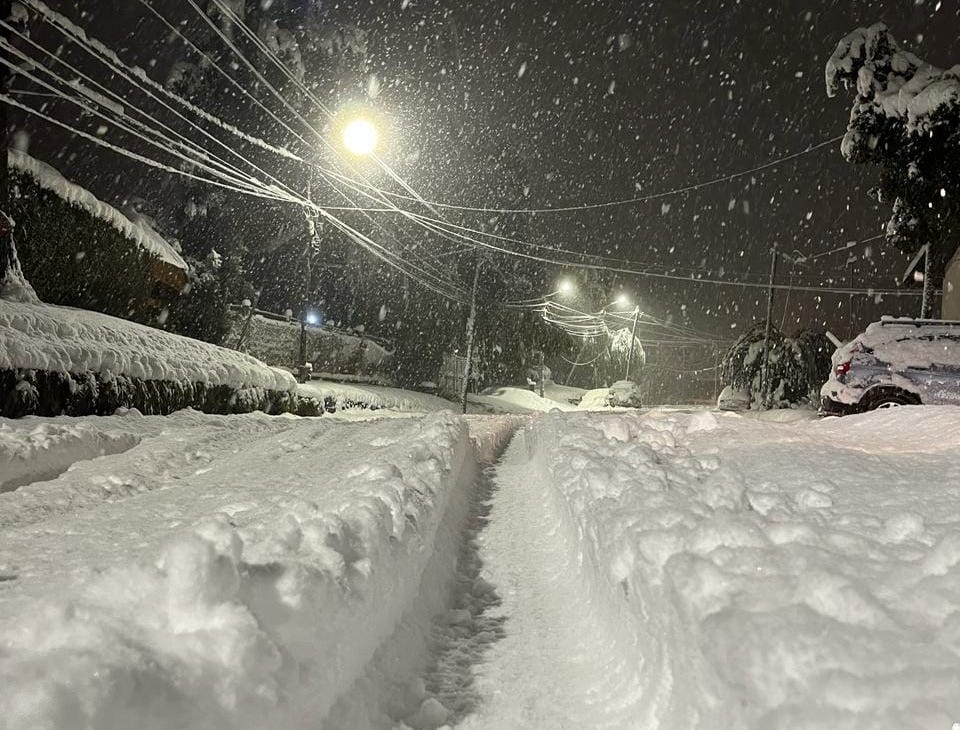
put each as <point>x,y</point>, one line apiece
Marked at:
<point>669,569</point>
<point>698,570</point>
<point>224,572</point>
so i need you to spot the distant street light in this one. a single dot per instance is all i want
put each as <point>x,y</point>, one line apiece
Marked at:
<point>360,136</point>
<point>567,287</point>
<point>622,300</point>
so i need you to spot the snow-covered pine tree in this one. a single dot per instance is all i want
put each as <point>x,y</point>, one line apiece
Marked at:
<point>794,371</point>
<point>906,119</point>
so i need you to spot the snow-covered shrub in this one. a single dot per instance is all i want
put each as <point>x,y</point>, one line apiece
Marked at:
<point>798,365</point>
<point>80,252</point>
<point>25,392</point>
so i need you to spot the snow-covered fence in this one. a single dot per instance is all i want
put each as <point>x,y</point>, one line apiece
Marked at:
<point>275,340</point>
<point>56,360</point>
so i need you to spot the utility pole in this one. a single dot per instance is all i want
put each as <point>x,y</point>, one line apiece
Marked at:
<point>851,260</point>
<point>633,341</point>
<point>573,368</point>
<point>716,373</point>
<point>9,265</point>
<point>471,330</point>
<point>302,369</point>
<point>765,372</point>
<point>926,303</point>
<point>541,373</point>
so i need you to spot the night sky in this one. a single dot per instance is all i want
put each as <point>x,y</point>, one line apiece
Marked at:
<point>548,103</point>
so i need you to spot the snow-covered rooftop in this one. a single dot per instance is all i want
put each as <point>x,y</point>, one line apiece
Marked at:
<point>139,232</point>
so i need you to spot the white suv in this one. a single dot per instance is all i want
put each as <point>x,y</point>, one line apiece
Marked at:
<point>895,362</point>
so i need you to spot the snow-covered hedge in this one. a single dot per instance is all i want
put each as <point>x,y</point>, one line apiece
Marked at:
<point>139,233</point>
<point>58,360</point>
<point>80,252</point>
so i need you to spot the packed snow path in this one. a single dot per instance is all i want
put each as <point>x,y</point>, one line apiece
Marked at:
<point>556,664</point>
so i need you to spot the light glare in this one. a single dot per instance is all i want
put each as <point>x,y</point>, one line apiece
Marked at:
<point>360,137</point>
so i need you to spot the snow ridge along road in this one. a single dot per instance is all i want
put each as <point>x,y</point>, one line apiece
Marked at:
<point>676,571</point>
<point>253,592</point>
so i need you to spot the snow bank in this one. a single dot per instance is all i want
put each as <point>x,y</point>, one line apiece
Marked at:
<point>60,339</point>
<point>505,399</point>
<point>45,450</point>
<point>491,434</point>
<point>139,232</point>
<point>346,396</point>
<point>66,464</point>
<point>768,576</point>
<point>250,594</point>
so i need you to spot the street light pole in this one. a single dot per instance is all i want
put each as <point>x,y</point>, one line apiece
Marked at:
<point>633,341</point>
<point>11,275</point>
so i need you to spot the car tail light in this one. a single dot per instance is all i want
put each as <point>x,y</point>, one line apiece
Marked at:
<point>843,368</point>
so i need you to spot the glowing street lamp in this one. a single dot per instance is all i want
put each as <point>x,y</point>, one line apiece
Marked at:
<point>360,136</point>
<point>567,287</point>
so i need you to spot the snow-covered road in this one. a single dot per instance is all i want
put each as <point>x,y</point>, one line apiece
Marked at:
<point>663,569</point>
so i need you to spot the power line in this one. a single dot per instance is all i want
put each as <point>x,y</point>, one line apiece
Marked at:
<point>631,201</point>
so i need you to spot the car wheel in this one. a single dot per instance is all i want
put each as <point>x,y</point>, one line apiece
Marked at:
<point>890,399</point>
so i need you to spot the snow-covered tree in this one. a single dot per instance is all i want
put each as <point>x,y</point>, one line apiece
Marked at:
<point>263,245</point>
<point>906,119</point>
<point>798,365</point>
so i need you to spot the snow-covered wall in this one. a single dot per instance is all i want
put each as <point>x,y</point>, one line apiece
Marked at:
<point>278,343</point>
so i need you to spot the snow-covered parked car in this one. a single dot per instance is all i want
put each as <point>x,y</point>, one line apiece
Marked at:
<point>895,362</point>
<point>625,394</point>
<point>733,399</point>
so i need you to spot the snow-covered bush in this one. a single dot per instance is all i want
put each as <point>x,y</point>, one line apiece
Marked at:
<point>798,365</point>
<point>51,393</point>
<point>55,360</point>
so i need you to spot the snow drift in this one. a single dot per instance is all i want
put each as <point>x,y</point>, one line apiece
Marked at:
<point>767,576</point>
<point>245,595</point>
